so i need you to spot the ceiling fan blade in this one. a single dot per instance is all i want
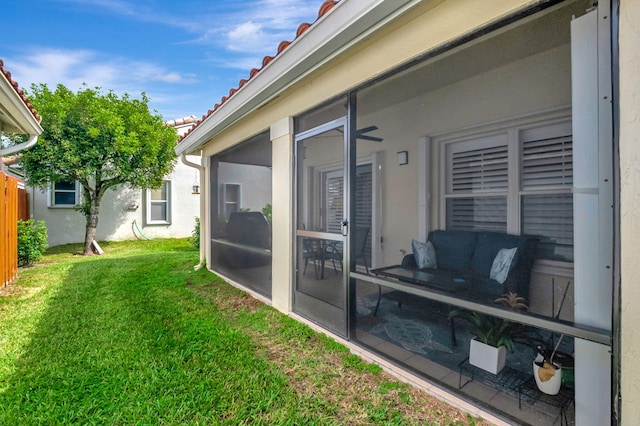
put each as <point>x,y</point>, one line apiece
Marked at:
<point>370,138</point>
<point>367,129</point>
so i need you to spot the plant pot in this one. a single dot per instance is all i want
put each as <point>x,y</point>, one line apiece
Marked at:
<point>552,385</point>
<point>487,357</point>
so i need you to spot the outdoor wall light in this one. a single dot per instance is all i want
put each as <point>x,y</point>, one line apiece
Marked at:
<point>403,158</point>
<point>195,189</point>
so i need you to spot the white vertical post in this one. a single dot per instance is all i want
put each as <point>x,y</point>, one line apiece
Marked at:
<point>282,220</point>
<point>424,187</point>
<point>592,219</point>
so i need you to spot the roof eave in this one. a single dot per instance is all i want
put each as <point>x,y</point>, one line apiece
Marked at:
<point>15,115</point>
<point>347,24</point>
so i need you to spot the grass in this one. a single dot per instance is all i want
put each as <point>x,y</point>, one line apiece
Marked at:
<point>136,336</point>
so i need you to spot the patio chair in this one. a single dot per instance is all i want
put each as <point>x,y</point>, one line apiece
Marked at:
<point>333,251</point>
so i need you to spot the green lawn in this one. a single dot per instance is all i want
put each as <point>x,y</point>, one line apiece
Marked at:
<point>136,336</point>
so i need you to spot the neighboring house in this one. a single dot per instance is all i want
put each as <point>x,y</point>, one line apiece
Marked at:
<point>17,116</point>
<point>125,213</point>
<point>401,117</point>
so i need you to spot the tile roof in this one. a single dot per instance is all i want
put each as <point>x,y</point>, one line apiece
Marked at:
<point>326,6</point>
<point>181,121</point>
<point>20,92</point>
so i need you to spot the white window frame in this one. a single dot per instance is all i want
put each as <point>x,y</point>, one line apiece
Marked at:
<point>225,200</point>
<point>167,203</point>
<point>51,196</point>
<point>512,129</point>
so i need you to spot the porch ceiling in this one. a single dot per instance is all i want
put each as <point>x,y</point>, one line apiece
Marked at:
<point>540,33</point>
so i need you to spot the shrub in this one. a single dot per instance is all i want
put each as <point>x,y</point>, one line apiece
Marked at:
<point>267,212</point>
<point>195,235</point>
<point>32,241</point>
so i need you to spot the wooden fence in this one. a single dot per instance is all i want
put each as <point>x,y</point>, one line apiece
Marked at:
<point>9,202</point>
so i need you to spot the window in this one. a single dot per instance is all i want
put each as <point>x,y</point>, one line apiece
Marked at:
<point>231,197</point>
<point>159,204</point>
<point>64,194</point>
<point>517,180</point>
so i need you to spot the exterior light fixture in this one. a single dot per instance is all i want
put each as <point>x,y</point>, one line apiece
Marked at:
<point>195,189</point>
<point>403,158</point>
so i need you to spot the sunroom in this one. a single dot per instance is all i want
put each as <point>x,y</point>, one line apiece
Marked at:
<point>402,172</point>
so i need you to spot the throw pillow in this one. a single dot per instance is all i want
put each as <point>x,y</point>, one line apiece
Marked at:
<point>424,254</point>
<point>502,264</point>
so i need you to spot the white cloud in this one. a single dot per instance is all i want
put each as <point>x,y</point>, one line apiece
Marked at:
<point>247,37</point>
<point>72,68</point>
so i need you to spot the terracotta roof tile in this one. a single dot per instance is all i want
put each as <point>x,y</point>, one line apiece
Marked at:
<point>326,6</point>
<point>20,92</point>
<point>181,121</point>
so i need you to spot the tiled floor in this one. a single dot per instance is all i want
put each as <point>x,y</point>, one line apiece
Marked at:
<point>537,413</point>
<point>329,288</point>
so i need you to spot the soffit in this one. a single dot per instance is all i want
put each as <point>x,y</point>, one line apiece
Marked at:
<point>17,115</point>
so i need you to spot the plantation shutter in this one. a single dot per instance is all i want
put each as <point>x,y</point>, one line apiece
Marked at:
<point>334,184</point>
<point>547,165</point>
<point>364,203</point>
<point>478,169</point>
<point>547,162</point>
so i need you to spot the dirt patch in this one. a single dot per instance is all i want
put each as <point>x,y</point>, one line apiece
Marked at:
<point>321,375</point>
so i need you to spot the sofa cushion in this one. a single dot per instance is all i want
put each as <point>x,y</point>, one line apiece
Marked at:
<point>488,244</point>
<point>502,264</point>
<point>424,254</point>
<point>454,249</point>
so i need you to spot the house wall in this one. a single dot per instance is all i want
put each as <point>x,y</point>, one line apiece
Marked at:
<point>515,83</point>
<point>429,25</point>
<point>66,225</point>
<point>629,62</point>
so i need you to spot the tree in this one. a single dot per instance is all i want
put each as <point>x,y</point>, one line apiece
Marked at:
<point>100,141</point>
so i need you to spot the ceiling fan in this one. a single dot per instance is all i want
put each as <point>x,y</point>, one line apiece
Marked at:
<point>361,134</point>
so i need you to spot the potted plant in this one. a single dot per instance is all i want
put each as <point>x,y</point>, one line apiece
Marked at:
<point>547,369</point>
<point>492,336</point>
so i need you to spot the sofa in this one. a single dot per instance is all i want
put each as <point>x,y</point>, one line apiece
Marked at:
<point>472,255</point>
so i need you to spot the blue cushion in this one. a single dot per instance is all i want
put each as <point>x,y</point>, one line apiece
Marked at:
<point>454,249</point>
<point>424,254</point>
<point>488,244</point>
<point>502,264</point>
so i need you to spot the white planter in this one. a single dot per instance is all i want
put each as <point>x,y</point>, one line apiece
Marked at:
<point>551,386</point>
<point>487,357</point>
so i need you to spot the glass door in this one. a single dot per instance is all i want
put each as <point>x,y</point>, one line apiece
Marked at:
<point>321,226</point>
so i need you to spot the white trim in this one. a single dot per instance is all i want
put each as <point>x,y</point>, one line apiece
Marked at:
<point>377,222</point>
<point>424,187</point>
<point>513,133</point>
<point>167,202</point>
<point>223,199</point>
<point>51,197</point>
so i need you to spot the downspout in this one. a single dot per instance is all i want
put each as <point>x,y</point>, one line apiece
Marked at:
<point>24,145</point>
<point>200,168</point>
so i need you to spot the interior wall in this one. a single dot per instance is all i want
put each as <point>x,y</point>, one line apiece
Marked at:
<point>467,103</point>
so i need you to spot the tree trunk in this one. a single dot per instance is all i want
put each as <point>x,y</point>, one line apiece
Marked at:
<point>92,224</point>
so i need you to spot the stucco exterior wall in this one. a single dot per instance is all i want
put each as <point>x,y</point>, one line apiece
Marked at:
<point>66,225</point>
<point>630,208</point>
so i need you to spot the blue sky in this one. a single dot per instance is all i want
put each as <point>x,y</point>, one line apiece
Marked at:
<point>185,54</point>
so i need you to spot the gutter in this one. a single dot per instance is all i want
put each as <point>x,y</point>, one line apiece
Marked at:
<point>183,158</point>
<point>13,149</point>
<point>200,168</point>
